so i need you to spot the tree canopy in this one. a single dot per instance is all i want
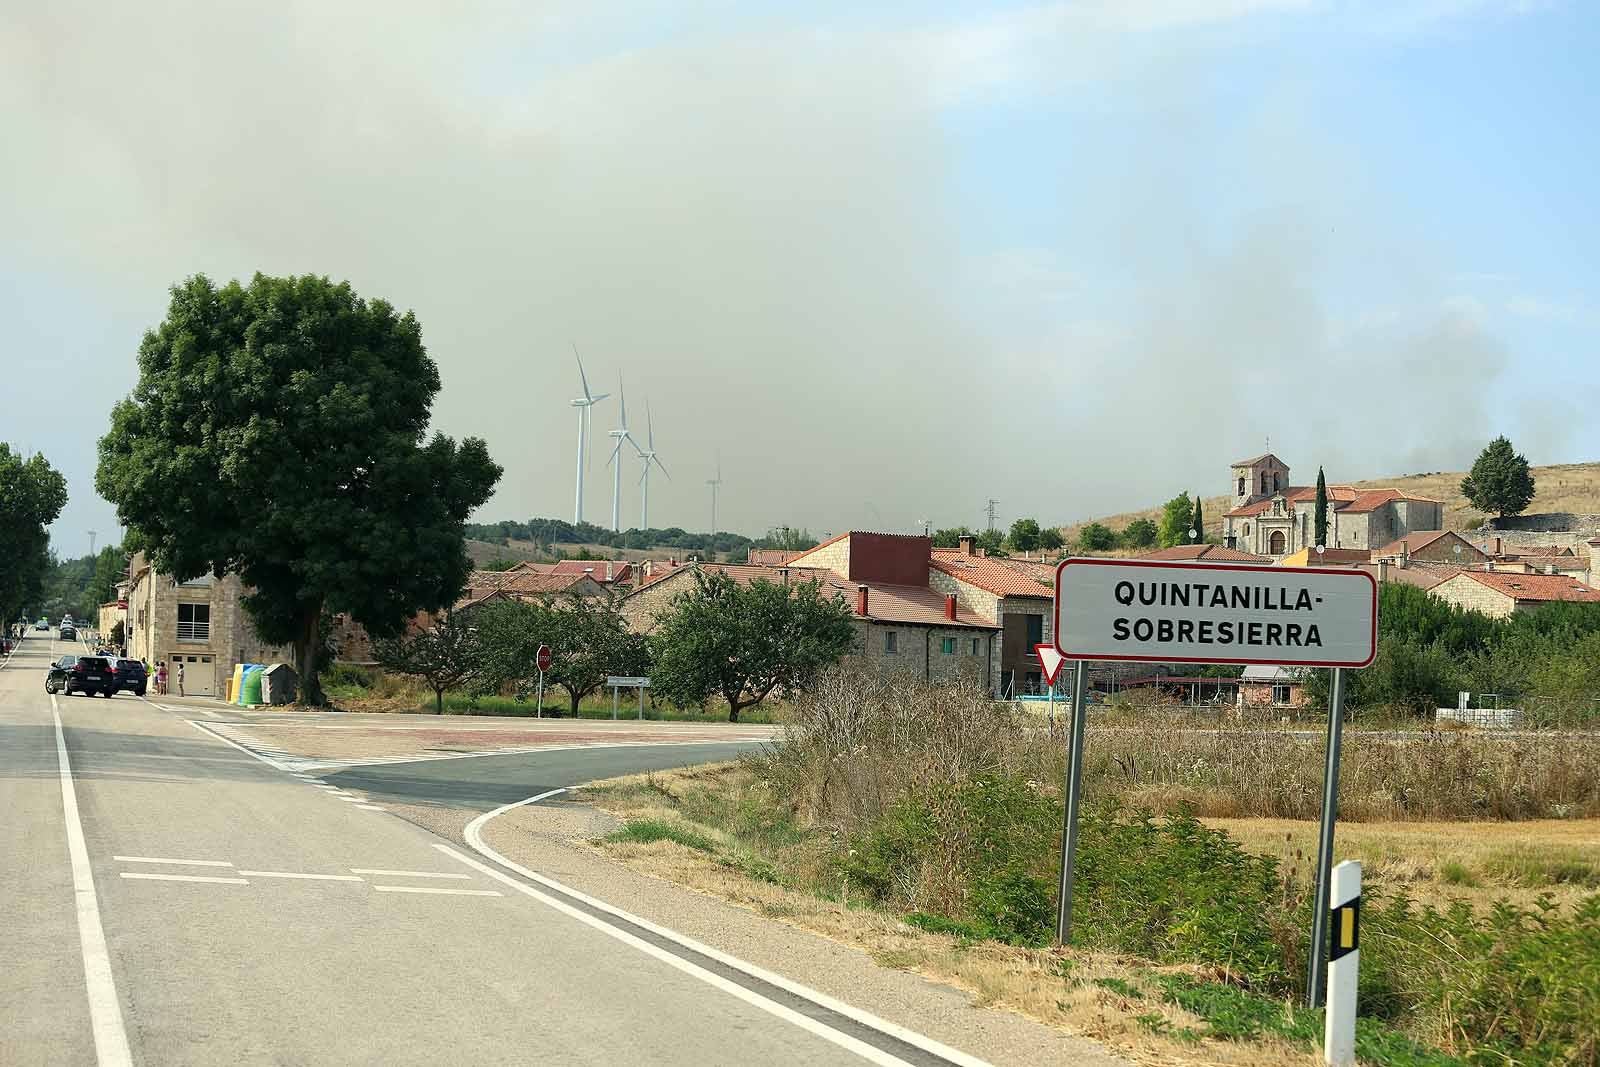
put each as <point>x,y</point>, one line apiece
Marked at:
<point>1097,537</point>
<point>278,431</point>
<point>588,638</point>
<point>1319,522</point>
<point>1176,515</point>
<point>1499,482</point>
<point>1140,533</point>
<point>1024,536</point>
<point>742,641</point>
<point>32,494</point>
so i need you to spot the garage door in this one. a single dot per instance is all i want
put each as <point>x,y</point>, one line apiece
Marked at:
<point>199,676</point>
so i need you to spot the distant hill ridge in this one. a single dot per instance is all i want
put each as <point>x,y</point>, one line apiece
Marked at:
<point>1564,487</point>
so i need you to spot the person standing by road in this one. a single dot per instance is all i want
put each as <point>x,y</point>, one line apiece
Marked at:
<point>161,677</point>
<point>180,678</point>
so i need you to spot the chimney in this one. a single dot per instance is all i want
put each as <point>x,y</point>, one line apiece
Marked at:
<point>1495,546</point>
<point>966,545</point>
<point>1489,566</point>
<point>1405,552</point>
<point>983,553</point>
<point>950,606</point>
<point>861,600</point>
<point>1383,570</point>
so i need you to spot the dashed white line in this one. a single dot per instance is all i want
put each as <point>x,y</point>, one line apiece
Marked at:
<point>105,1010</point>
<point>409,874</point>
<point>299,874</point>
<point>437,891</point>
<point>175,863</point>
<point>141,876</point>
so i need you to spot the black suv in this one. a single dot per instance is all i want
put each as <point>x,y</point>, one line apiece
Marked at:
<point>84,674</point>
<point>128,674</point>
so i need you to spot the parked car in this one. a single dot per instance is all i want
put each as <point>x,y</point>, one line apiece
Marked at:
<point>130,675</point>
<point>82,674</point>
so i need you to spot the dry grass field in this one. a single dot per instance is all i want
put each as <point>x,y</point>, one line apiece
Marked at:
<point>1573,487</point>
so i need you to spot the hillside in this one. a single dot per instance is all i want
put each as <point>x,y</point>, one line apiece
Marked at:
<point>1573,487</point>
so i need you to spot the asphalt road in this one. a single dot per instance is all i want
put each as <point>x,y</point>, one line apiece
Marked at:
<point>172,899</point>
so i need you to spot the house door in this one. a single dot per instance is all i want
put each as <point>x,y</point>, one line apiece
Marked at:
<point>1275,543</point>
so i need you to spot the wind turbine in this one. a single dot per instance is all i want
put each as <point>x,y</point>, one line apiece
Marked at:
<point>615,462</point>
<point>715,484</point>
<point>583,404</point>
<point>648,454</point>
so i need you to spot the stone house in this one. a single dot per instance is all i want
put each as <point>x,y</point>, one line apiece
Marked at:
<point>899,627</point>
<point>1270,517</point>
<point>1440,548</point>
<point>1499,595</point>
<point>1262,685</point>
<point>1020,605</point>
<point>199,623</point>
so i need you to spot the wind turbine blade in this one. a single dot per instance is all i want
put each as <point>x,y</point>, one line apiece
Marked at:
<point>614,452</point>
<point>649,427</point>
<point>657,461</point>
<point>624,395</point>
<point>598,397</point>
<point>584,377</point>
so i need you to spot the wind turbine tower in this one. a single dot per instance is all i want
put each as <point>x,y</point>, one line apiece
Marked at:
<point>583,404</point>
<point>649,457</point>
<point>715,484</point>
<point>615,462</point>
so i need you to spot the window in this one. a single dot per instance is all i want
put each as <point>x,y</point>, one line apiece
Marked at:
<point>194,622</point>
<point>1280,694</point>
<point>1276,482</point>
<point>1241,487</point>
<point>1264,482</point>
<point>891,642</point>
<point>948,646</point>
<point>1247,529</point>
<point>975,646</point>
<point>1035,630</point>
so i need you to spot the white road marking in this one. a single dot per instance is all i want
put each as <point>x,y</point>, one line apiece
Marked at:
<point>274,764</point>
<point>298,874</point>
<point>105,1011</point>
<point>177,863</point>
<point>350,800</point>
<point>372,807</point>
<point>437,891</point>
<point>474,837</point>
<point>184,878</point>
<point>409,874</point>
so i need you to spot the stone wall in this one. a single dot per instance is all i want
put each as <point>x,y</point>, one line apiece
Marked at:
<point>834,557</point>
<point>1468,593</point>
<point>1545,522</point>
<point>920,650</point>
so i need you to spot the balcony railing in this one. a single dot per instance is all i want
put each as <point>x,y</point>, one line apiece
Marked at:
<point>194,631</point>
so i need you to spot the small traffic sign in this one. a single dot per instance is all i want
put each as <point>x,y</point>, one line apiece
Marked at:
<point>543,657</point>
<point>1050,662</point>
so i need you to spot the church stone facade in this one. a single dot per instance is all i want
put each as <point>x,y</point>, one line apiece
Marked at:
<point>1271,517</point>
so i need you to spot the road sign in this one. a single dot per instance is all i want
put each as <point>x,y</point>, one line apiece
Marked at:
<point>1159,612</point>
<point>621,681</point>
<point>1050,662</point>
<point>542,657</point>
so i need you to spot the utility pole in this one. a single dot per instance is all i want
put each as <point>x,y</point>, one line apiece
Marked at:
<point>91,542</point>
<point>990,509</point>
<point>927,528</point>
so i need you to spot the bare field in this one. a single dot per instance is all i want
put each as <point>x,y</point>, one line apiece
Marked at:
<point>1573,487</point>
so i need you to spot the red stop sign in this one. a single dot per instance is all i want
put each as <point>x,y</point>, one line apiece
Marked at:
<point>543,657</point>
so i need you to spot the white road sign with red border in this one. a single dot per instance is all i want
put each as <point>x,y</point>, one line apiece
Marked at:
<point>1160,612</point>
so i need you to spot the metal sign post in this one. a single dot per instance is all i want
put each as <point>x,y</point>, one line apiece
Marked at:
<point>1069,829</point>
<point>542,660</point>
<point>1330,812</point>
<point>619,682</point>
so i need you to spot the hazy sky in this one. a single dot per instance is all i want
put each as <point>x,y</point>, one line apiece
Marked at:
<point>892,260</point>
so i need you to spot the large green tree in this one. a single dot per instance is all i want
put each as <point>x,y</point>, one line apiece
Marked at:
<point>1175,516</point>
<point>32,494</point>
<point>1319,520</point>
<point>278,431</point>
<point>1499,482</point>
<point>1024,536</point>
<point>1097,537</point>
<point>1140,533</point>
<point>588,638</point>
<point>742,641</point>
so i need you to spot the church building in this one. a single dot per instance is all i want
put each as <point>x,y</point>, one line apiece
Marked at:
<point>1270,517</point>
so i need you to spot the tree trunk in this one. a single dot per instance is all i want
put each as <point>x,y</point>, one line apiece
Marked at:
<point>438,701</point>
<point>306,649</point>
<point>575,698</point>
<point>733,709</point>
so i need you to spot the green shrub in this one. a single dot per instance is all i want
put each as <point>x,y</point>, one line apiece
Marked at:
<point>646,831</point>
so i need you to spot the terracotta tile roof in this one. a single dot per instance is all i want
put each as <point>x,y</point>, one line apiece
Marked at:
<point>1410,543</point>
<point>990,575</point>
<point>1290,495</point>
<point>621,571</point>
<point>1519,551</point>
<point>1373,499</point>
<point>1038,570</point>
<point>771,557</point>
<point>1204,554</point>
<point>1535,587</point>
<point>526,583</point>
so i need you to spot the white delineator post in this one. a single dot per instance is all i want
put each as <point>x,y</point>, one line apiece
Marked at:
<point>1344,958</point>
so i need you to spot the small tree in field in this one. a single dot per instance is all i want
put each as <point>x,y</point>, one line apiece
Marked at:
<point>447,655</point>
<point>1096,538</point>
<point>1499,482</point>
<point>1050,538</point>
<point>741,642</point>
<point>1140,533</point>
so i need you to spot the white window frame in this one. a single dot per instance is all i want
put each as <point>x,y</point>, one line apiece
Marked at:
<point>1288,695</point>
<point>195,631</point>
<point>891,642</point>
